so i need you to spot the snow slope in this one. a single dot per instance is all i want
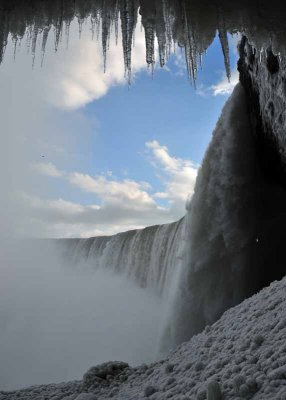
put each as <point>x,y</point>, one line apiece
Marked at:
<point>241,356</point>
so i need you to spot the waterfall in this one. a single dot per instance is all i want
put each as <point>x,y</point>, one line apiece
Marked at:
<point>148,257</point>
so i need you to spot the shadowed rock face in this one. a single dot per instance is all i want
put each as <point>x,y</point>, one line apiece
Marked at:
<point>264,83</point>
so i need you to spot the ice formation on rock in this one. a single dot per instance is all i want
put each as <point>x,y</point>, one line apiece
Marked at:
<point>191,25</point>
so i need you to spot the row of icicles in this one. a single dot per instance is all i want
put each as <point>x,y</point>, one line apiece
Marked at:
<point>105,19</point>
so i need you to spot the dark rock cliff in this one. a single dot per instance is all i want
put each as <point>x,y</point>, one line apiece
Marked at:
<point>263,76</point>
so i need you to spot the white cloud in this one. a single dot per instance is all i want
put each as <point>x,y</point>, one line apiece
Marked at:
<point>222,88</point>
<point>59,206</point>
<point>225,86</point>
<point>179,176</point>
<point>47,169</point>
<point>125,192</point>
<point>76,77</point>
<point>61,218</point>
<point>120,204</point>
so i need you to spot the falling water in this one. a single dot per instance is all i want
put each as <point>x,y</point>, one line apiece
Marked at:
<point>149,257</point>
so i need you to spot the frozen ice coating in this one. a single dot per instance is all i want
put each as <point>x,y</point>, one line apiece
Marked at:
<point>191,25</point>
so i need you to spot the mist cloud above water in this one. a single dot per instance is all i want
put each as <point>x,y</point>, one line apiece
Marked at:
<point>56,322</point>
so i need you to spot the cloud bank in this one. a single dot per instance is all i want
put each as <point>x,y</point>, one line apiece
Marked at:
<point>119,204</point>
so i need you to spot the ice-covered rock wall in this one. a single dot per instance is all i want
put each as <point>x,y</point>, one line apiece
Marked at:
<point>149,257</point>
<point>263,75</point>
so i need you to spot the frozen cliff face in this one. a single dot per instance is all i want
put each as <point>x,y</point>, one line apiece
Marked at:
<point>263,74</point>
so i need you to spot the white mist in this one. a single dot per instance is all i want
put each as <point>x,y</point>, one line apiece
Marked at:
<point>56,322</point>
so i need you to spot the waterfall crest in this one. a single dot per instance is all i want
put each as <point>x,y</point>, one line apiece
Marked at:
<point>146,256</point>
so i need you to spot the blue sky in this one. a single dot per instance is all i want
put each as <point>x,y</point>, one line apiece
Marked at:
<point>165,108</point>
<point>101,157</point>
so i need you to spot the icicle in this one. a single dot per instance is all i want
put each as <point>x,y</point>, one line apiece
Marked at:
<point>80,23</point>
<point>134,40</point>
<point>222,33</point>
<point>128,23</point>
<point>44,42</point>
<point>3,38</point>
<point>161,32</point>
<point>150,38</point>
<point>34,45</point>
<point>93,22</point>
<point>67,31</point>
<point>168,20</point>
<point>225,49</point>
<point>29,37</point>
<point>105,31</point>
<point>190,49</point>
<point>201,60</point>
<point>116,14</point>
<point>57,32</point>
<point>15,40</point>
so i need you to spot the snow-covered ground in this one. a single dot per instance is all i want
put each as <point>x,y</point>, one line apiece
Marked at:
<point>241,356</point>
